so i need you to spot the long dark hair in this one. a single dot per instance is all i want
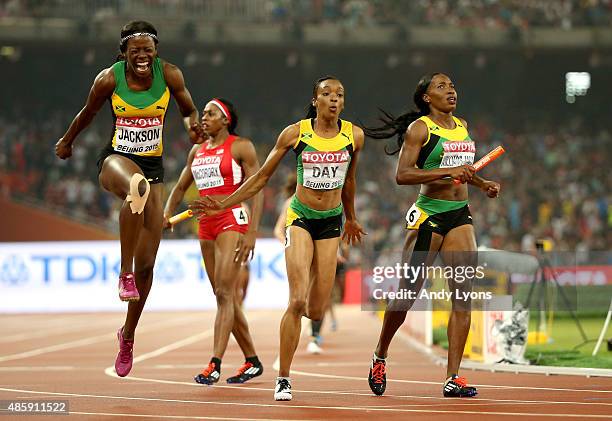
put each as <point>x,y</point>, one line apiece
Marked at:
<point>397,125</point>
<point>311,111</point>
<point>134,27</point>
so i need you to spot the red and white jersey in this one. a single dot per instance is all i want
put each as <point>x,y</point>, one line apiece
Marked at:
<point>214,169</point>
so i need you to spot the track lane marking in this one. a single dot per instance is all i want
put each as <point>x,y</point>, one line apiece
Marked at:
<point>292,406</point>
<point>88,341</point>
<point>369,394</point>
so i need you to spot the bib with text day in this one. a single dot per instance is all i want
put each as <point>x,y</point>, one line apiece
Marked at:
<point>325,170</point>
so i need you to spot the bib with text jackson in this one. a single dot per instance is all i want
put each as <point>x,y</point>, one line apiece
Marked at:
<point>322,163</point>
<point>139,115</point>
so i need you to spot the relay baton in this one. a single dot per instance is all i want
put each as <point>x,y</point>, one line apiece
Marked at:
<point>181,217</point>
<point>486,160</point>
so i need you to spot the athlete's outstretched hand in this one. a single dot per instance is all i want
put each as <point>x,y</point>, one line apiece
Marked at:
<point>491,188</point>
<point>245,247</point>
<point>196,133</point>
<point>63,149</point>
<point>205,206</point>
<point>352,232</point>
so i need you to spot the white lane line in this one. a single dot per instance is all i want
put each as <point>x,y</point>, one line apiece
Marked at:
<point>38,333</point>
<point>186,366</point>
<point>287,406</point>
<point>369,394</point>
<point>333,376</point>
<point>178,417</point>
<point>191,366</point>
<point>42,322</point>
<point>175,345</point>
<point>42,369</point>
<point>110,371</point>
<point>58,347</point>
<point>89,341</point>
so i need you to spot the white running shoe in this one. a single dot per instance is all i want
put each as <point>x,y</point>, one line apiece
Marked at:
<point>313,347</point>
<point>282,391</point>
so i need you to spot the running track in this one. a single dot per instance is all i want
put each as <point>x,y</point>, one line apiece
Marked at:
<point>70,357</point>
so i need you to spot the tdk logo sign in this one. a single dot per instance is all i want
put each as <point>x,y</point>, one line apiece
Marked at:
<point>77,263</point>
<point>13,270</point>
<point>66,268</point>
<point>168,268</point>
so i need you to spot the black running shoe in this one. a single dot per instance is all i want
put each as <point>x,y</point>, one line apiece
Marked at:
<point>456,387</point>
<point>209,375</point>
<point>377,379</point>
<point>246,373</point>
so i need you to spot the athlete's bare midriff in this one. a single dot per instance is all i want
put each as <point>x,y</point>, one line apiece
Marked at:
<point>445,190</point>
<point>319,199</point>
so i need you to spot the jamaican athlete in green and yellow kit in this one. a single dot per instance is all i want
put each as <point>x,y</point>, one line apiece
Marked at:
<point>321,165</point>
<point>444,148</point>
<point>137,87</point>
<point>139,121</point>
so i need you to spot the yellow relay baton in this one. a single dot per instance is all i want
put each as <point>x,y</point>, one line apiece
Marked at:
<point>180,217</point>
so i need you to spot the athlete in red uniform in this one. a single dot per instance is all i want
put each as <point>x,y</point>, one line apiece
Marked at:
<point>218,167</point>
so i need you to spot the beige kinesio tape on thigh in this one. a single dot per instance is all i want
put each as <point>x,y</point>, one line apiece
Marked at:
<point>136,201</point>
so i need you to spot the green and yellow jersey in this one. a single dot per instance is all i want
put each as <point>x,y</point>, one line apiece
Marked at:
<point>139,115</point>
<point>322,163</point>
<point>445,148</point>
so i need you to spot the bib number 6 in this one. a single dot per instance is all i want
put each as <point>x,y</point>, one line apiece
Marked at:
<point>413,215</point>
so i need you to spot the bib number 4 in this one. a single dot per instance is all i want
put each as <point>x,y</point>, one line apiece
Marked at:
<point>241,216</point>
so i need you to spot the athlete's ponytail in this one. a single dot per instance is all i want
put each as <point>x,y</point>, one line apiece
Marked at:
<point>397,125</point>
<point>311,111</point>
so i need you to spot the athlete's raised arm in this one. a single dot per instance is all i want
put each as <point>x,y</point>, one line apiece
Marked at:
<point>176,84</point>
<point>102,88</point>
<point>255,183</point>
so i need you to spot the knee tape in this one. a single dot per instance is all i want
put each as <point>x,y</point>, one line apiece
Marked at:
<point>136,201</point>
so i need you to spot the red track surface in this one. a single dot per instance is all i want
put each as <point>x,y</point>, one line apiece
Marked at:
<point>68,357</point>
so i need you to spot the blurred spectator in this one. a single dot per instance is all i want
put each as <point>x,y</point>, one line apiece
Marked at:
<point>564,14</point>
<point>554,184</point>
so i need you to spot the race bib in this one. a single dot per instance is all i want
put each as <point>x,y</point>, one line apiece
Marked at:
<point>457,154</point>
<point>206,171</point>
<point>240,215</point>
<point>325,170</point>
<point>412,216</point>
<point>138,134</point>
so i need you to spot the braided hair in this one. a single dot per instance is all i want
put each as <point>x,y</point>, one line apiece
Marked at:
<point>397,125</point>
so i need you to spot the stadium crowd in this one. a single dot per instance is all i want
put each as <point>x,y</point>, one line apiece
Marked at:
<point>554,181</point>
<point>463,13</point>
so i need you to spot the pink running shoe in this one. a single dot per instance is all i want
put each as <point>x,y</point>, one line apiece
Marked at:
<point>125,357</point>
<point>127,287</point>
